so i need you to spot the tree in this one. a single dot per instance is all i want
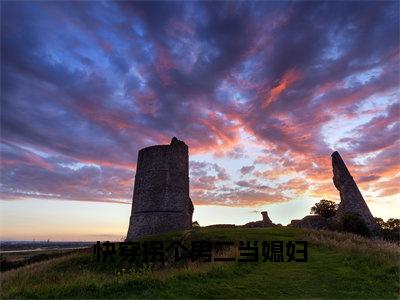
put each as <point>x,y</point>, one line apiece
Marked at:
<point>324,208</point>
<point>380,222</point>
<point>195,224</point>
<point>390,229</point>
<point>393,224</point>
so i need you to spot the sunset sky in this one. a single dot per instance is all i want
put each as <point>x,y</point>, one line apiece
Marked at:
<point>262,93</point>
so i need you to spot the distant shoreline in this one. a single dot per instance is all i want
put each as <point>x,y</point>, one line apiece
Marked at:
<point>15,247</point>
<point>42,249</point>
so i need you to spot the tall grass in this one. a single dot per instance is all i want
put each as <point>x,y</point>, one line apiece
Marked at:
<point>380,250</point>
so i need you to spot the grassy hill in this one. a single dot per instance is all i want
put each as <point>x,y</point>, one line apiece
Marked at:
<point>339,266</point>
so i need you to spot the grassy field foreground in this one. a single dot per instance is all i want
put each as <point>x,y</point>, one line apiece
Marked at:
<point>339,266</point>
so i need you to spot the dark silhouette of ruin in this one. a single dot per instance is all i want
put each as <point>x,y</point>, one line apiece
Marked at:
<point>351,200</point>
<point>265,222</point>
<point>161,201</point>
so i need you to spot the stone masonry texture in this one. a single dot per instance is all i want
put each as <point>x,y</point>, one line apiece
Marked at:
<point>161,201</point>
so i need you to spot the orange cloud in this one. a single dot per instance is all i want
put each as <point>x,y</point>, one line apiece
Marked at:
<point>287,79</point>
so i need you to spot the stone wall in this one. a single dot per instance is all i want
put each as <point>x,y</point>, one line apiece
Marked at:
<point>161,201</point>
<point>314,222</point>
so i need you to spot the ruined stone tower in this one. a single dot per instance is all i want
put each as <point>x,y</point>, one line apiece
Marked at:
<point>351,200</point>
<point>161,201</point>
<point>265,222</point>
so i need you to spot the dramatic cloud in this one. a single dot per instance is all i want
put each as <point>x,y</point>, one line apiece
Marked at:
<point>246,169</point>
<point>262,92</point>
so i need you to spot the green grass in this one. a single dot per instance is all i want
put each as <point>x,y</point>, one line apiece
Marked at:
<point>339,266</point>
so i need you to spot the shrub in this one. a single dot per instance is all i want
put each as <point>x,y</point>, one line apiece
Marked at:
<point>352,222</point>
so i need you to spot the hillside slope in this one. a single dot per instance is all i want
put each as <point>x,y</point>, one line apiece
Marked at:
<point>338,266</point>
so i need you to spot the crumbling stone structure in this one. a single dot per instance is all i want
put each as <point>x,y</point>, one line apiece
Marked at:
<point>161,201</point>
<point>351,200</point>
<point>265,222</point>
<point>313,221</point>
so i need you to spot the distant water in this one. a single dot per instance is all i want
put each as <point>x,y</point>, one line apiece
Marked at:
<point>25,246</point>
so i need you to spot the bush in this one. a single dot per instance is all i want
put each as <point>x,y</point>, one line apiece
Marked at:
<point>352,222</point>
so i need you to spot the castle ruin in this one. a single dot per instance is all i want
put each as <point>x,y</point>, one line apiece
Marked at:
<point>265,222</point>
<point>161,201</point>
<point>351,200</point>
